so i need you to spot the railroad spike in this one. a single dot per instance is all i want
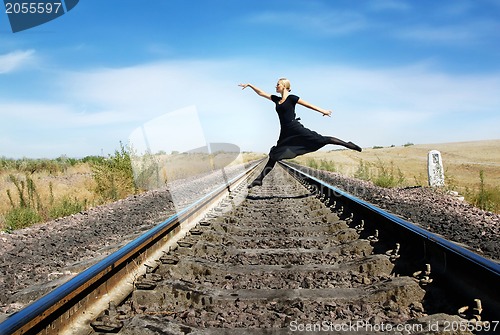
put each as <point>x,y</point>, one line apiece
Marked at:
<point>423,276</point>
<point>360,227</point>
<point>394,253</point>
<point>473,314</point>
<point>374,237</point>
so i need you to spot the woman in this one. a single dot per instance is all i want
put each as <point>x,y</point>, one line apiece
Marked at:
<point>294,138</point>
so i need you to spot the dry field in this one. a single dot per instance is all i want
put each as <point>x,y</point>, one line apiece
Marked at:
<point>462,162</point>
<point>76,182</point>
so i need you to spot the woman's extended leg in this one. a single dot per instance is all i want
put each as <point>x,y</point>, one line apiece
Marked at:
<point>269,166</point>
<point>349,145</point>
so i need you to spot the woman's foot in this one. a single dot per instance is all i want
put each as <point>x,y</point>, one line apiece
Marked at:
<point>353,146</point>
<point>254,183</point>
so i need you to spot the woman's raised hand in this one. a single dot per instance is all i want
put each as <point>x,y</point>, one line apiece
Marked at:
<point>243,86</point>
<point>327,113</point>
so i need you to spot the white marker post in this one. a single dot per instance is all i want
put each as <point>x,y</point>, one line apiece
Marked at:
<point>435,168</point>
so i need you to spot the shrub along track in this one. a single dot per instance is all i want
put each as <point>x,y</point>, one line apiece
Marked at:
<point>283,262</point>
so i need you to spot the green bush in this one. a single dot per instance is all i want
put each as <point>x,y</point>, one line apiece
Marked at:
<point>26,165</point>
<point>114,176</point>
<point>487,198</point>
<point>387,177</point>
<point>323,164</point>
<point>363,171</point>
<point>26,211</point>
<point>21,217</point>
<point>311,162</point>
<point>326,165</point>
<point>65,207</point>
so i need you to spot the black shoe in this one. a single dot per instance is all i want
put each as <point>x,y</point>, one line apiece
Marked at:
<point>254,183</point>
<point>353,146</point>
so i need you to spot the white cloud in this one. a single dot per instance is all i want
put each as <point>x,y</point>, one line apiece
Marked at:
<point>15,60</point>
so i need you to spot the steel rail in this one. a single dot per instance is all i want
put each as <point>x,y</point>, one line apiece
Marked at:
<point>50,313</point>
<point>465,271</point>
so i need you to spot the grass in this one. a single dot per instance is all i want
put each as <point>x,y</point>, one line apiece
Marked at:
<point>38,190</point>
<point>27,207</point>
<point>487,197</point>
<point>114,178</point>
<point>380,173</point>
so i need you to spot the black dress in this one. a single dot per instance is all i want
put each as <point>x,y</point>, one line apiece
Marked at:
<point>295,139</point>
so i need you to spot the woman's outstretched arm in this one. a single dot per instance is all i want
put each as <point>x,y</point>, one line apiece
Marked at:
<point>256,90</point>
<point>310,106</point>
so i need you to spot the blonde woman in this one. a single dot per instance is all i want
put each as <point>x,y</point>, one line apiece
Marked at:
<point>294,139</point>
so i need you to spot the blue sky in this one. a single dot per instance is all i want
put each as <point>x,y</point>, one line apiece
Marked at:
<point>393,72</point>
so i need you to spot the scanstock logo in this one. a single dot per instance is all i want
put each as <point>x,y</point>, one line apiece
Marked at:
<point>25,14</point>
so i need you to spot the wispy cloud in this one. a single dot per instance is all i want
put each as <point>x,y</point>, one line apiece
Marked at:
<point>320,22</point>
<point>371,106</point>
<point>14,60</point>
<point>450,23</point>
<point>457,34</point>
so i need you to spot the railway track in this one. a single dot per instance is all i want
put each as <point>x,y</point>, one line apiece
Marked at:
<point>293,256</point>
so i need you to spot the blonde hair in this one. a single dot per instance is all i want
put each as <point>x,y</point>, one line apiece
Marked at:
<point>286,83</point>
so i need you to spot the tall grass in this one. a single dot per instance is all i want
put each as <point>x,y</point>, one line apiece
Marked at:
<point>388,175</point>
<point>380,174</point>
<point>323,164</point>
<point>114,176</point>
<point>26,165</point>
<point>485,197</point>
<point>113,180</point>
<point>27,207</point>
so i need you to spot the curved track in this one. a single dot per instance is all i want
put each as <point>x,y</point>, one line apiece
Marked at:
<point>295,255</point>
